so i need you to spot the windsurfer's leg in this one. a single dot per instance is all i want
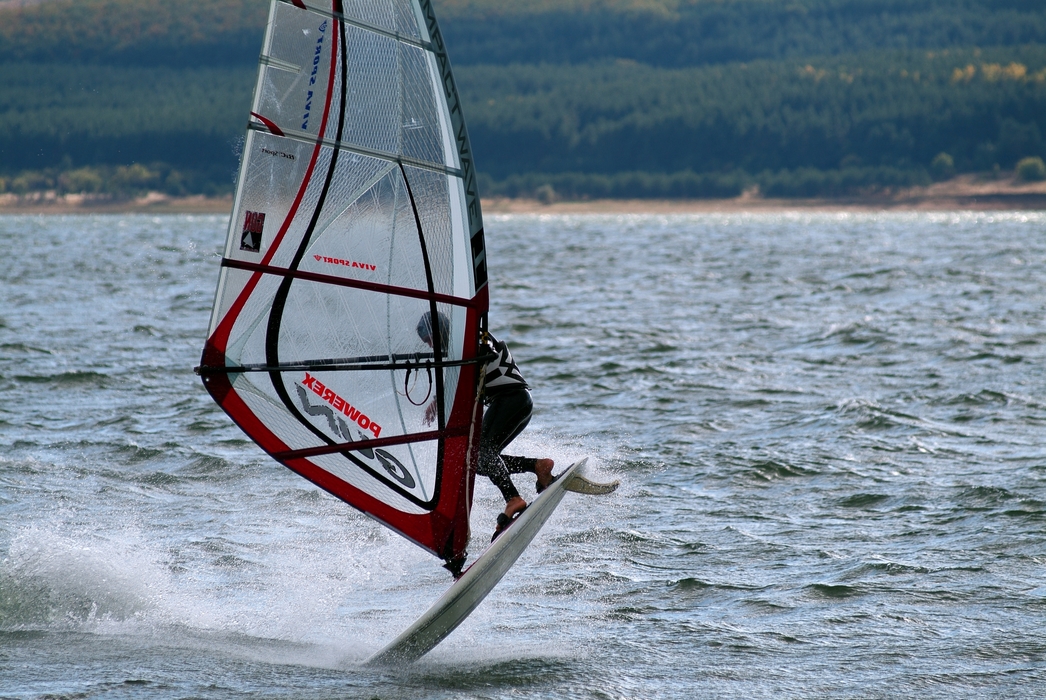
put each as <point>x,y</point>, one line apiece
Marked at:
<point>494,469</point>
<point>519,465</point>
<point>540,467</point>
<point>505,418</point>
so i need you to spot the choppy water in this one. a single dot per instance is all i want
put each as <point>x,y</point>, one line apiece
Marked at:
<point>829,428</point>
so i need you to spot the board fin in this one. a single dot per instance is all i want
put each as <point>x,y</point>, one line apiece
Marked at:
<point>579,484</point>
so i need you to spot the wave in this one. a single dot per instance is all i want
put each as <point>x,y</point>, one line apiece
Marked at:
<point>771,470</point>
<point>48,581</point>
<point>23,348</point>
<point>67,379</point>
<point>864,500</point>
<point>834,590</point>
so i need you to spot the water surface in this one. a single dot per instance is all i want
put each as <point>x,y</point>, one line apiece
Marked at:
<point>828,428</point>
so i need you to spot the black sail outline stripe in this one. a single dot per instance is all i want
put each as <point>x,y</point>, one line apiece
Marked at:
<point>437,333</point>
<point>280,300</point>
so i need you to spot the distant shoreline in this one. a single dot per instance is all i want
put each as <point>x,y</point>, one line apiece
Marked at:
<point>964,193</point>
<point>153,203</point>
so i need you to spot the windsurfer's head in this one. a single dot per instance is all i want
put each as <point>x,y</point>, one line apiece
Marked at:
<point>425,329</point>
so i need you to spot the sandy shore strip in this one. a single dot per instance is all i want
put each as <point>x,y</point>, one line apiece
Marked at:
<point>152,203</point>
<point>965,193</point>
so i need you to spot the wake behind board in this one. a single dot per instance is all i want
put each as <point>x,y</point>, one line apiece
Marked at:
<point>480,578</point>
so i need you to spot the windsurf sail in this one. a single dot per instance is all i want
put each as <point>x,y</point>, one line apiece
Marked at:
<point>355,215</point>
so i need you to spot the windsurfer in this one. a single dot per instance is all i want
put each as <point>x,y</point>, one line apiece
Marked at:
<point>509,407</point>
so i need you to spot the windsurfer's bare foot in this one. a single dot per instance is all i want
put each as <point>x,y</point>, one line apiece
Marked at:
<point>543,469</point>
<point>514,506</point>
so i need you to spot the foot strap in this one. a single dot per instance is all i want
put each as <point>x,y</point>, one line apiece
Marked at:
<point>504,521</point>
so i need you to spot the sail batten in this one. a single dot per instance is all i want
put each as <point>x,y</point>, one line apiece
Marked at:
<point>311,7</point>
<point>359,284</point>
<point>355,217</point>
<point>362,445</point>
<point>360,150</point>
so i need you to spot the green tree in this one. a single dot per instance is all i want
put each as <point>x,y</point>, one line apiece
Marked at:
<point>1031,169</point>
<point>942,167</point>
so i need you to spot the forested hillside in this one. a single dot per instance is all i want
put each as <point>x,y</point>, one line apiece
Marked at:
<point>668,33</point>
<point>678,33</point>
<point>590,97</point>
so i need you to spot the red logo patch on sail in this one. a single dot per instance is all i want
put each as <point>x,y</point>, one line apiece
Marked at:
<point>345,263</point>
<point>250,239</point>
<point>341,405</point>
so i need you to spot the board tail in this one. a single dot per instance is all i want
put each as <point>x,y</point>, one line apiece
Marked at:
<point>478,580</point>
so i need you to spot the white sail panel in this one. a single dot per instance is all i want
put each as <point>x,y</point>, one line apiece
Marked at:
<point>391,106</point>
<point>396,16</point>
<point>355,217</point>
<point>295,79</point>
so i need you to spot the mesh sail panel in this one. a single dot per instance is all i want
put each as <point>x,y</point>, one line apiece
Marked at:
<point>356,217</point>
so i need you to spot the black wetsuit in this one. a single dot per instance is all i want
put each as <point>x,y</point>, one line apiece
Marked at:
<point>509,407</point>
